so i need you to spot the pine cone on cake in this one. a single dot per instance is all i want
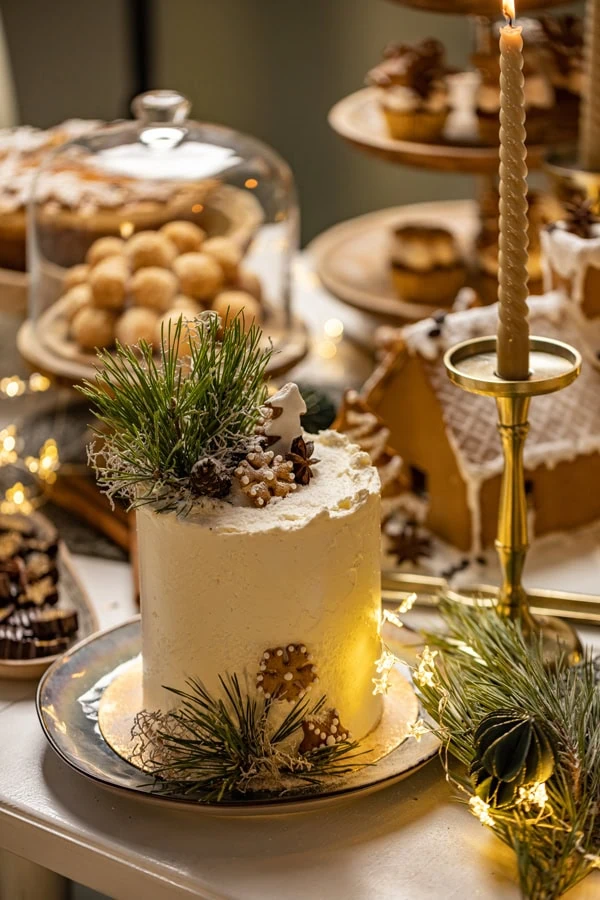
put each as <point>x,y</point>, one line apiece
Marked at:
<point>262,476</point>
<point>581,216</point>
<point>302,459</point>
<point>512,750</point>
<point>210,478</point>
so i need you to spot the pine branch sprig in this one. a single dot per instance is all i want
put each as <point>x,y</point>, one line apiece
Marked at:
<point>485,664</point>
<point>220,748</point>
<point>159,416</point>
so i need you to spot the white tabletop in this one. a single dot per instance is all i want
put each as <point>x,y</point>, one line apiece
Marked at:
<point>412,841</point>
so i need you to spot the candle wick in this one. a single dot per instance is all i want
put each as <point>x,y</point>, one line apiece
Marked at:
<point>510,20</point>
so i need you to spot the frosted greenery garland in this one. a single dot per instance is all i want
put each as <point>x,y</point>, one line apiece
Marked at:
<point>218,748</point>
<point>481,664</point>
<point>163,412</point>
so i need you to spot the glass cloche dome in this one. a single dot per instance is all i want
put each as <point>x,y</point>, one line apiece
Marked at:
<point>137,222</point>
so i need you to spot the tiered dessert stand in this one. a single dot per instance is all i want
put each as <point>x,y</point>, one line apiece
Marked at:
<point>352,258</point>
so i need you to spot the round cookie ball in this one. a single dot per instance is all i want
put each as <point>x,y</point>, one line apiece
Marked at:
<point>229,303</point>
<point>93,328</point>
<point>187,305</point>
<point>226,253</point>
<point>186,236</point>
<point>200,276</point>
<point>150,248</point>
<point>187,329</point>
<point>75,299</point>
<point>108,281</point>
<point>76,275</point>
<point>153,287</point>
<point>136,324</point>
<point>248,281</point>
<point>103,247</point>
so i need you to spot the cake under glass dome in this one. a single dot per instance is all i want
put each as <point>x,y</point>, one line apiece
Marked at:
<point>138,222</point>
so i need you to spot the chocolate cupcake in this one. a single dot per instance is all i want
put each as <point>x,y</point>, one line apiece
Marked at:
<point>539,93</point>
<point>413,91</point>
<point>562,54</point>
<point>427,265</point>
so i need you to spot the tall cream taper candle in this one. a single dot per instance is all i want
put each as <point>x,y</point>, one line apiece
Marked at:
<point>513,328</point>
<point>589,125</point>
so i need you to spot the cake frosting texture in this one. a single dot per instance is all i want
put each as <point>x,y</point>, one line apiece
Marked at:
<point>228,582</point>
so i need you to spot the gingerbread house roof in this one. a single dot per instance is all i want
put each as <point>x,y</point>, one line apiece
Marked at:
<point>563,425</point>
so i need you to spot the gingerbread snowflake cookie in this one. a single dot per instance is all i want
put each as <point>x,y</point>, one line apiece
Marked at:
<point>262,476</point>
<point>286,673</point>
<point>323,730</point>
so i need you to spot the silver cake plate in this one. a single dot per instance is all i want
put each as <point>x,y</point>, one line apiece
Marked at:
<point>69,700</point>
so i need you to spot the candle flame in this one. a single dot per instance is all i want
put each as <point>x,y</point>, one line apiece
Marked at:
<point>508,8</point>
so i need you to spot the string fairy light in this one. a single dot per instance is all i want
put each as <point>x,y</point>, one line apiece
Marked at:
<point>425,671</point>
<point>383,667</point>
<point>393,615</point>
<point>417,730</point>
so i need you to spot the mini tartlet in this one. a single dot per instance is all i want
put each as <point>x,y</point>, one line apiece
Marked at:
<point>426,264</point>
<point>413,91</point>
<point>539,98</point>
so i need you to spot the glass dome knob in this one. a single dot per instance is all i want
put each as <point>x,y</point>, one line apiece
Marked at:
<point>161,106</point>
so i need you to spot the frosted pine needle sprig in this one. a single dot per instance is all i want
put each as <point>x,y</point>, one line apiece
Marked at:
<point>161,414</point>
<point>217,748</point>
<point>483,664</point>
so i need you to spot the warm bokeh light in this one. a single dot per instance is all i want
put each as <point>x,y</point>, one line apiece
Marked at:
<point>197,208</point>
<point>333,328</point>
<point>13,386</point>
<point>38,383</point>
<point>16,500</point>
<point>8,446</point>
<point>326,349</point>
<point>126,229</point>
<point>251,183</point>
<point>46,466</point>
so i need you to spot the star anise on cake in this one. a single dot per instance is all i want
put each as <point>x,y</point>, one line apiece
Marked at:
<point>323,730</point>
<point>286,673</point>
<point>302,459</point>
<point>407,542</point>
<point>581,216</point>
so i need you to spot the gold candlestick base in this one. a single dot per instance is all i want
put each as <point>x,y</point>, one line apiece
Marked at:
<point>553,365</point>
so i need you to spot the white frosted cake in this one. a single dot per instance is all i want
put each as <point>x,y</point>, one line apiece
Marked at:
<point>262,663</point>
<point>286,596</point>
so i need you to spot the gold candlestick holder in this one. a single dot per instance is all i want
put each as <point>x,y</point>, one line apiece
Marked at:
<point>553,365</point>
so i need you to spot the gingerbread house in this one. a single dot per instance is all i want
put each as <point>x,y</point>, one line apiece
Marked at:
<point>449,442</point>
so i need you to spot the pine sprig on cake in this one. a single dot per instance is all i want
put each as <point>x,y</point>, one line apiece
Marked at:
<point>215,749</point>
<point>529,739</point>
<point>176,427</point>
